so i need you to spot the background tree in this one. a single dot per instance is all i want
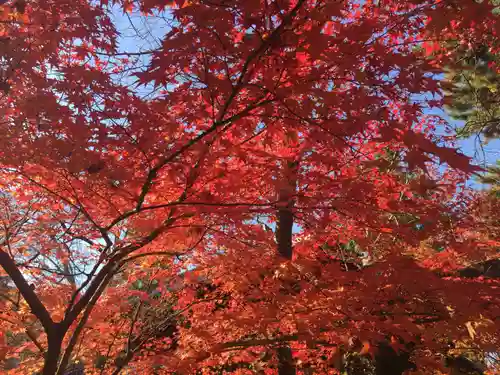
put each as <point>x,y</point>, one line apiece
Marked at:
<point>472,92</point>
<point>473,85</point>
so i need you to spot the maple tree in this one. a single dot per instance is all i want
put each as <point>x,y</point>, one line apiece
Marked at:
<point>260,168</point>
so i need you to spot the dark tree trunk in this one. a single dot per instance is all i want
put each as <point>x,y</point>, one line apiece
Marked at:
<point>284,232</point>
<point>53,353</point>
<point>285,361</point>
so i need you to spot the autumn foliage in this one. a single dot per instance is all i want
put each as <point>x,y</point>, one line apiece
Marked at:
<point>281,188</point>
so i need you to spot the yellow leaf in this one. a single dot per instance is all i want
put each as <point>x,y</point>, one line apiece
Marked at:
<point>470,329</point>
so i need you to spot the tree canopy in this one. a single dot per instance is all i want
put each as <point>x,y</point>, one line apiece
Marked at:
<point>261,191</point>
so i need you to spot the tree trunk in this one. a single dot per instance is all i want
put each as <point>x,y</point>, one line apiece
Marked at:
<point>284,232</point>
<point>285,361</point>
<point>53,353</point>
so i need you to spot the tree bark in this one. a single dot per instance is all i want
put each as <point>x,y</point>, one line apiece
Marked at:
<point>285,361</point>
<point>54,341</point>
<point>286,194</point>
<point>26,290</point>
<point>284,233</point>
